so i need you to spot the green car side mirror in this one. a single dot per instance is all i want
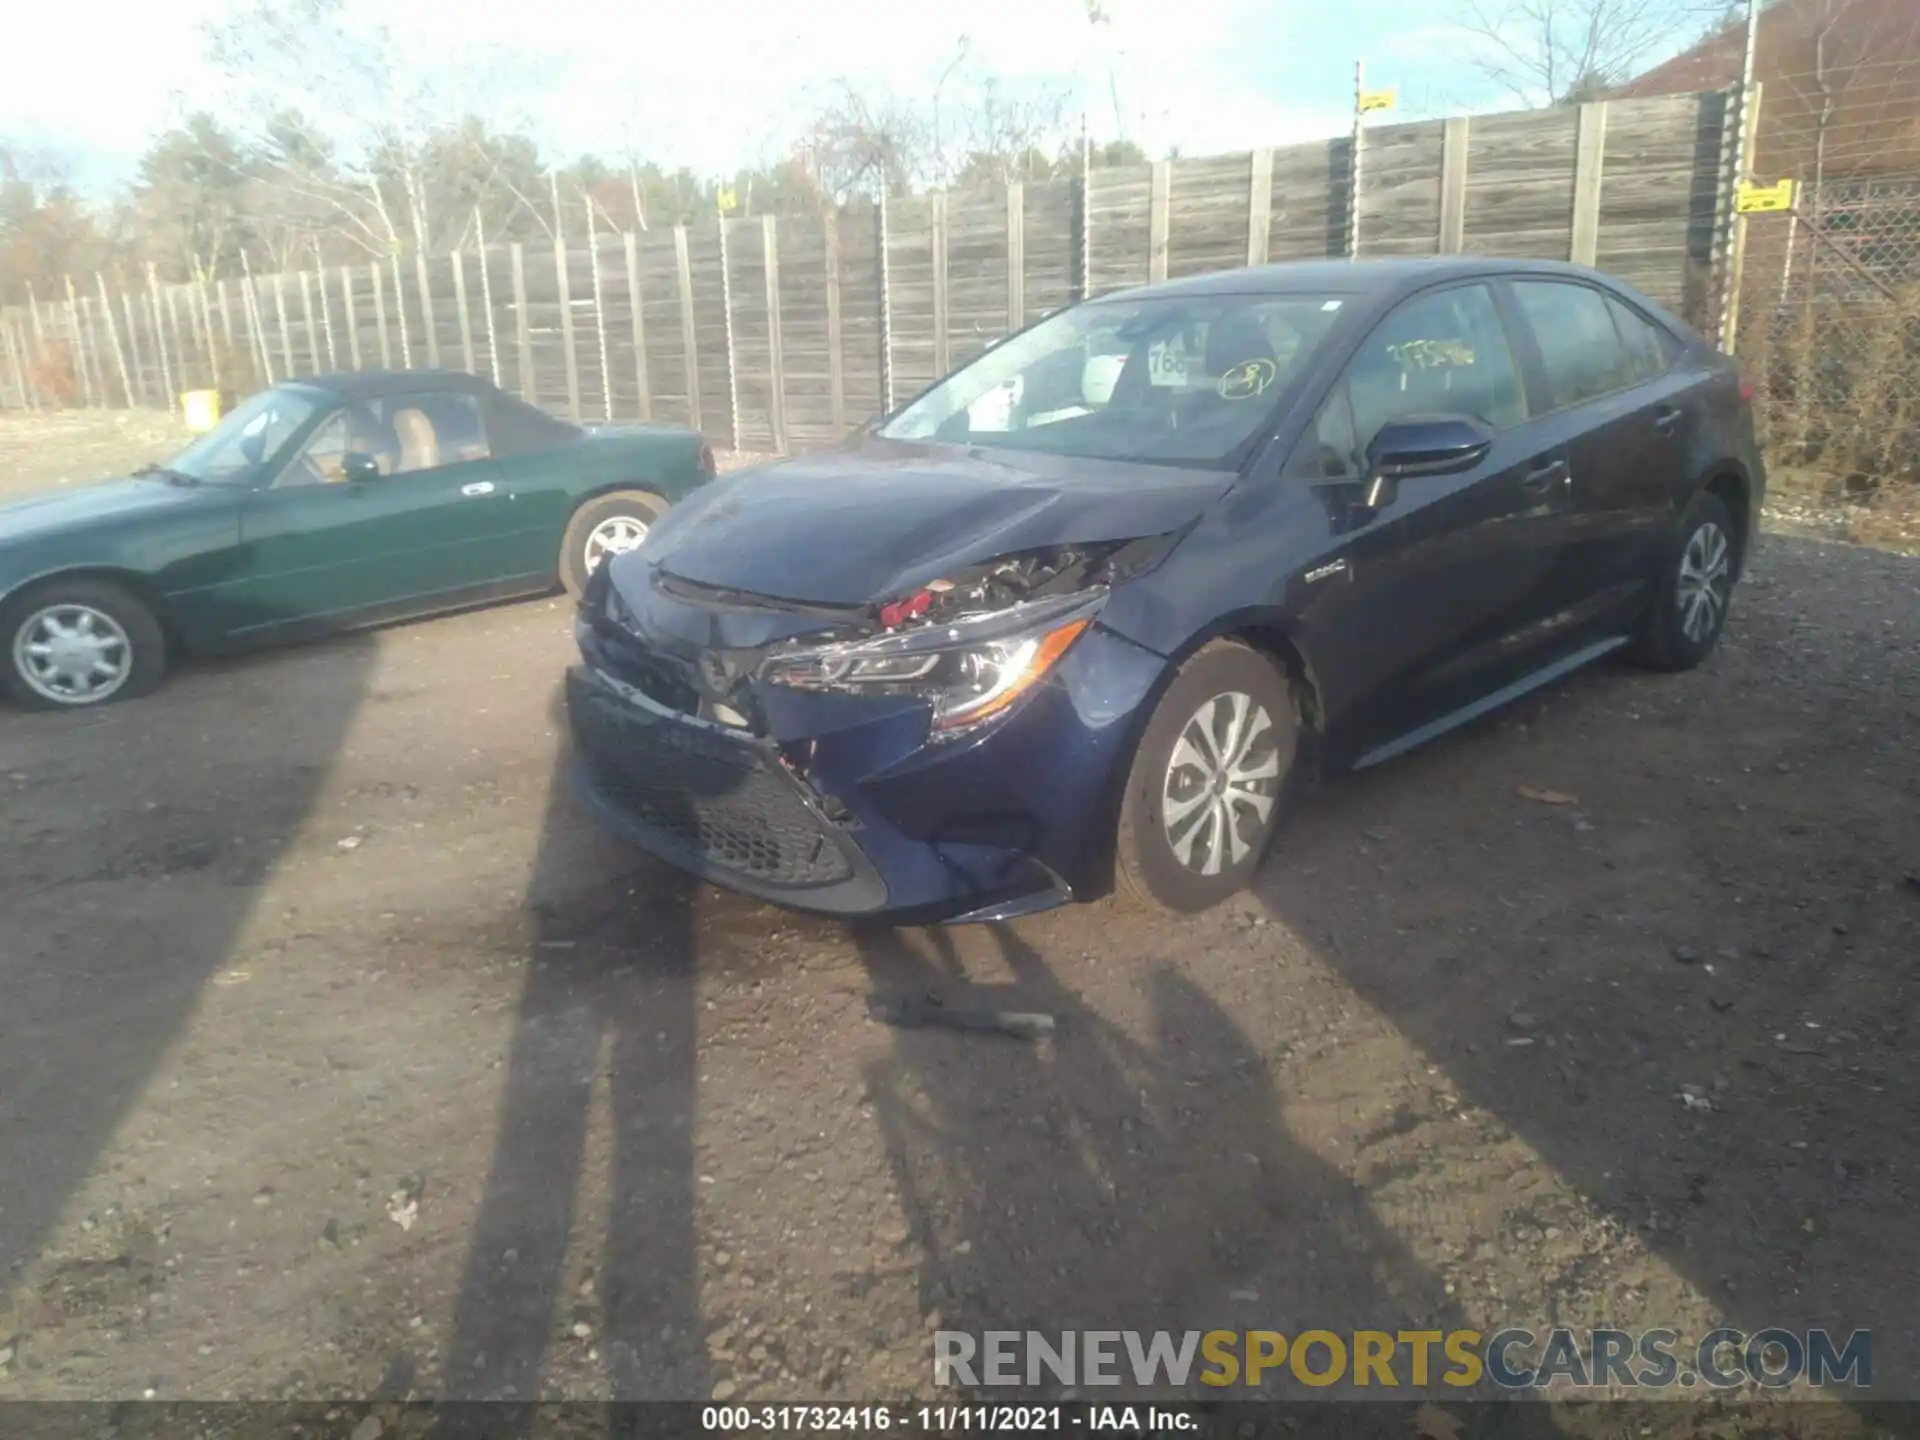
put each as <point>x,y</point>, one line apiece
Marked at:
<point>358,469</point>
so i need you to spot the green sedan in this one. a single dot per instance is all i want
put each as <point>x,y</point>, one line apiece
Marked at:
<point>316,506</point>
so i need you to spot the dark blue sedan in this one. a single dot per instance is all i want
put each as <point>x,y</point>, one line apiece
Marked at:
<point>1078,613</point>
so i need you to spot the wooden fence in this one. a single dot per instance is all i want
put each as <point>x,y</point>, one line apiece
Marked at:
<point>781,334</point>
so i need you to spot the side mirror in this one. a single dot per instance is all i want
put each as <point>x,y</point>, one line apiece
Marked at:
<point>357,468</point>
<point>1417,446</point>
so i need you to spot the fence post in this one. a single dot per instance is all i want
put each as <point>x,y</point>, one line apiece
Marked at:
<point>1083,219</point>
<point>28,399</point>
<point>688,347</point>
<point>836,361</point>
<point>256,326</point>
<point>1453,186</point>
<point>600,318</point>
<point>226,311</point>
<point>1353,162</point>
<point>39,330</point>
<point>400,311</point>
<point>353,317</point>
<point>1259,206</point>
<point>306,318</point>
<point>486,303</point>
<point>1589,157</point>
<point>726,317</point>
<point>119,355</point>
<point>326,311</point>
<point>206,325</point>
<point>564,286</point>
<point>182,349</point>
<point>128,314</point>
<point>380,314</point>
<point>522,337</point>
<point>1016,255</point>
<point>459,262</point>
<point>160,338</point>
<point>1734,255</point>
<point>886,306</point>
<point>632,244</point>
<point>79,343</point>
<point>776,361</point>
<point>937,244</point>
<point>425,278</point>
<point>1159,220</point>
<point>280,318</point>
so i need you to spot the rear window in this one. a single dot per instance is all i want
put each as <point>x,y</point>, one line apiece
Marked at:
<point>1650,350</point>
<point>1580,349</point>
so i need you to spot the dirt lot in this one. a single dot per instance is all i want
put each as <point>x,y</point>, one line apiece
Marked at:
<point>310,946</point>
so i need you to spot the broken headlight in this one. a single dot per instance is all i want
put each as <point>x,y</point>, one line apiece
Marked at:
<point>972,668</point>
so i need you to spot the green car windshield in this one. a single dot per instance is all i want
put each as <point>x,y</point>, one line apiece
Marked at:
<point>1172,380</point>
<point>236,449</point>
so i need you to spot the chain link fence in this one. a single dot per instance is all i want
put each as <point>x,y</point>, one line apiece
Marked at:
<point>1829,315</point>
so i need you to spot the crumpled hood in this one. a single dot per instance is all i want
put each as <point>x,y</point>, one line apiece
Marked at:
<point>872,521</point>
<point>61,510</point>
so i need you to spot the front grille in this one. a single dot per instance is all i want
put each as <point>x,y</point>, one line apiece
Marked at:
<point>653,675</point>
<point>707,796</point>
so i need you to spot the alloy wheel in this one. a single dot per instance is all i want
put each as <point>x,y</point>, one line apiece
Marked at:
<point>72,654</point>
<point>1221,783</point>
<point>613,536</point>
<point>1705,582</point>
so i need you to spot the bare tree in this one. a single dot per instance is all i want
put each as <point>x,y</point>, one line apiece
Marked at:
<point>1012,130</point>
<point>368,150</point>
<point>1555,52</point>
<point>857,145</point>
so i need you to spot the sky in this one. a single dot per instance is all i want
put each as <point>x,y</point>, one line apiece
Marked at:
<point>723,83</point>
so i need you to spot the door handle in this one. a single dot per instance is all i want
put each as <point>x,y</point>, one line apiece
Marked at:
<point>479,487</point>
<point>1547,474</point>
<point>1666,418</point>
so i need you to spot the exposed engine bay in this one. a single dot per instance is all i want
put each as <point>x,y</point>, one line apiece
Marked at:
<point>1012,580</point>
<point>970,642</point>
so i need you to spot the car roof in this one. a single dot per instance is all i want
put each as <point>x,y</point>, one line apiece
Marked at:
<point>373,384</point>
<point>1380,279</point>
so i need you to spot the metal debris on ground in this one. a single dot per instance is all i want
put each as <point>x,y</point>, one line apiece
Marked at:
<point>1547,797</point>
<point>914,1014</point>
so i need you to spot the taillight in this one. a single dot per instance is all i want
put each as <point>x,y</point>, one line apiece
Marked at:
<point>1748,391</point>
<point>706,462</point>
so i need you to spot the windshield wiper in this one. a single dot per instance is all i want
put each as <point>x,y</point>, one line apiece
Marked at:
<point>172,477</point>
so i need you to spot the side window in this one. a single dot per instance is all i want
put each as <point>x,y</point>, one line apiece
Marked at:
<point>1648,352</point>
<point>1327,451</point>
<point>1441,353</point>
<point>429,430</point>
<point>1579,347</point>
<point>320,459</point>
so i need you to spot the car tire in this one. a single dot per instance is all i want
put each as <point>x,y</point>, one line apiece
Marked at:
<point>104,618</point>
<point>1176,848</point>
<point>605,525</point>
<point>1690,603</point>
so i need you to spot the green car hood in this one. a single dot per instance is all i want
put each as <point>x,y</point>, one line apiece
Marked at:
<point>63,511</point>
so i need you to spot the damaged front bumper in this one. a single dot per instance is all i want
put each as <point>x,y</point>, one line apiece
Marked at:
<point>843,804</point>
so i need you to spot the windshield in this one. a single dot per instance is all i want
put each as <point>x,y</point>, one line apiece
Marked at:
<point>1174,380</point>
<point>254,434</point>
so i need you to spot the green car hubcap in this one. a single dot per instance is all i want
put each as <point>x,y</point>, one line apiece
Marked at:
<point>72,654</point>
<point>613,536</point>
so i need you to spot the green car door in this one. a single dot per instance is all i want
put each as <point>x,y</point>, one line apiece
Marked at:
<point>330,540</point>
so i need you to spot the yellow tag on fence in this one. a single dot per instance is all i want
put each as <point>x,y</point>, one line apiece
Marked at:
<point>201,409</point>
<point>1758,199</point>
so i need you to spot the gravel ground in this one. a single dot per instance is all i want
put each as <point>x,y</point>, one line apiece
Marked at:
<point>340,1057</point>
